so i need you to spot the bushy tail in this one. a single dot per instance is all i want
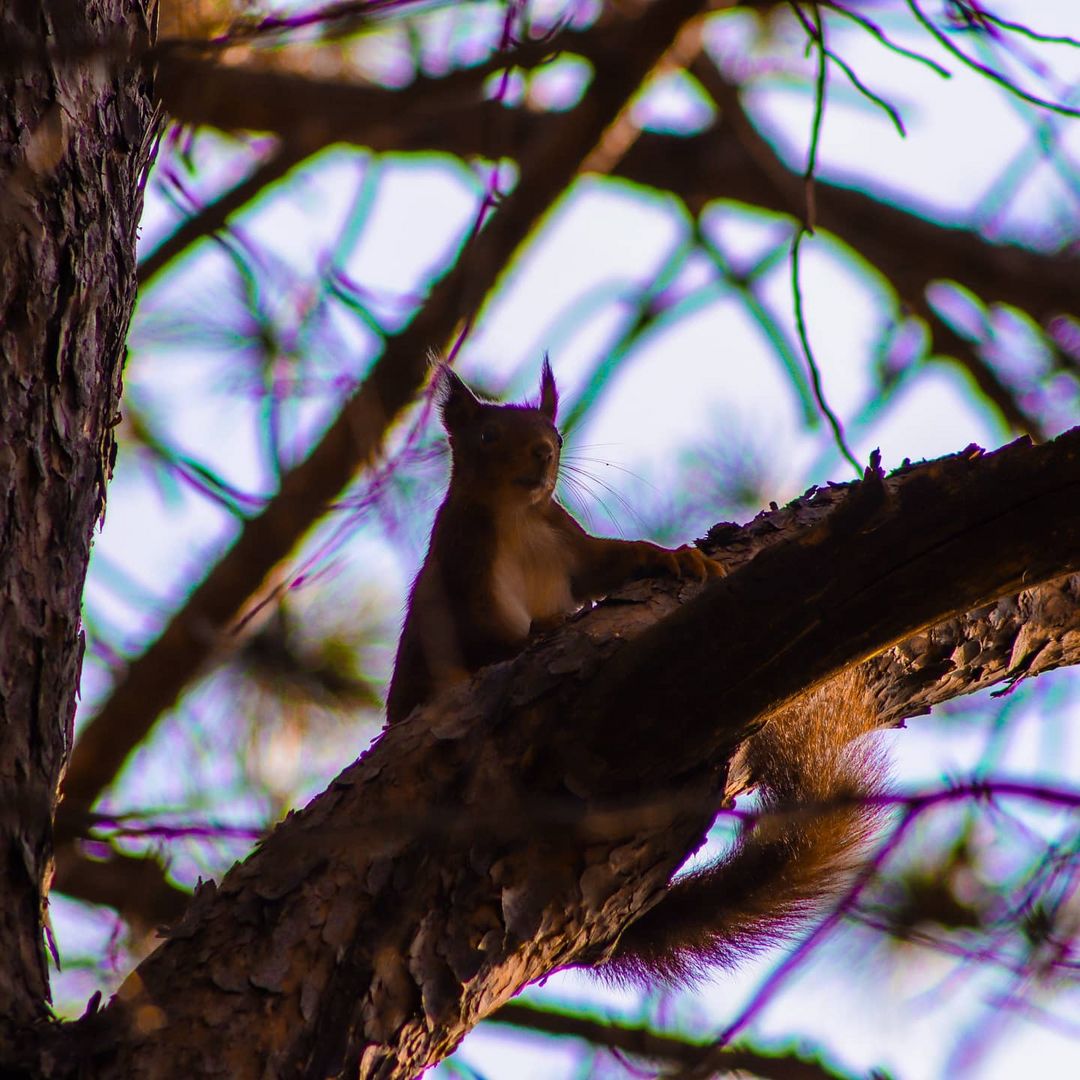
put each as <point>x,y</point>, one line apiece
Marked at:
<point>814,762</point>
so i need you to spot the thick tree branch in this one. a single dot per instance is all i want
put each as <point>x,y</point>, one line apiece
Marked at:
<point>1009,524</point>
<point>314,113</point>
<point>153,682</point>
<point>496,835</point>
<point>1014,638</point>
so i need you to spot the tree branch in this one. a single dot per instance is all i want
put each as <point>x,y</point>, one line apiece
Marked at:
<point>1009,523</point>
<point>908,249</point>
<point>898,255</point>
<point>1013,638</point>
<point>134,886</point>
<point>500,833</point>
<point>731,161</point>
<point>214,215</point>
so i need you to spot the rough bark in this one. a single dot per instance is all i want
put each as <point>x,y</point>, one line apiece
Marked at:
<point>73,154</point>
<point>1015,637</point>
<point>996,520</point>
<point>502,832</point>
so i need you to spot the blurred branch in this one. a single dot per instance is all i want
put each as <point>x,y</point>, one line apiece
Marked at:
<point>1004,81</point>
<point>642,1041</point>
<point>308,112</point>
<point>214,215</point>
<point>945,341</point>
<point>731,161</point>
<point>196,88</point>
<point>899,244</point>
<point>312,112</point>
<point>135,886</point>
<point>154,681</point>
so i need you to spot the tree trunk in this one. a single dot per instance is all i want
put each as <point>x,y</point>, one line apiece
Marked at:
<point>73,152</point>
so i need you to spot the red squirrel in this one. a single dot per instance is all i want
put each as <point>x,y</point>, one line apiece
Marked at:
<point>506,558</point>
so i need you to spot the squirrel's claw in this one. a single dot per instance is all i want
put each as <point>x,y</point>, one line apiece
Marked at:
<point>692,562</point>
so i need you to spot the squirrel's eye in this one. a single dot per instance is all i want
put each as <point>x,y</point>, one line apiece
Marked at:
<point>558,439</point>
<point>489,435</point>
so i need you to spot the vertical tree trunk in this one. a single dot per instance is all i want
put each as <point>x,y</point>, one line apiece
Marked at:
<point>75,120</point>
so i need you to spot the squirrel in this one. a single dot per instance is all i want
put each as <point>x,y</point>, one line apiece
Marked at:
<point>505,559</point>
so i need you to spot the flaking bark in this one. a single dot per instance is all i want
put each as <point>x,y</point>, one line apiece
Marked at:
<point>73,154</point>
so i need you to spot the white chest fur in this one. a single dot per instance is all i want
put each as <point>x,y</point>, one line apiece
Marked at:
<point>531,573</point>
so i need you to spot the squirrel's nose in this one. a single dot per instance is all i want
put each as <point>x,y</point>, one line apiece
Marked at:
<point>543,452</point>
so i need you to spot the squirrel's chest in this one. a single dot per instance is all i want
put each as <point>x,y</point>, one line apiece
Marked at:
<point>530,576</point>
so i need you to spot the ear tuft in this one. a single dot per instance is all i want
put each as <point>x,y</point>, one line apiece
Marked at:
<point>549,393</point>
<point>458,405</point>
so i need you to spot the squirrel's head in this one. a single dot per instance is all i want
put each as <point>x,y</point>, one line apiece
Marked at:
<point>506,453</point>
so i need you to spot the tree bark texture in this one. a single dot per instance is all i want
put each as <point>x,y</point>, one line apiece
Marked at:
<point>521,822</point>
<point>73,155</point>
<point>1013,638</point>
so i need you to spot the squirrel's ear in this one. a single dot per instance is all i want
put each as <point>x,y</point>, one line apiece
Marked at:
<point>458,405</point>
<point>549,394</point>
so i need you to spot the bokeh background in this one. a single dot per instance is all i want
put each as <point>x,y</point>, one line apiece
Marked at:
<point>815,230</point>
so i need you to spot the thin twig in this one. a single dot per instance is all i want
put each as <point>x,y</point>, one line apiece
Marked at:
<point>1020,28</point>
<point>995,76</point>
<point>642,1041</point>
<point>875,31</point>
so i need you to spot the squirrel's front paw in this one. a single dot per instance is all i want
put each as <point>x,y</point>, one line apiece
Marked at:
<point>682,562</point>
<point>692,562</point>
